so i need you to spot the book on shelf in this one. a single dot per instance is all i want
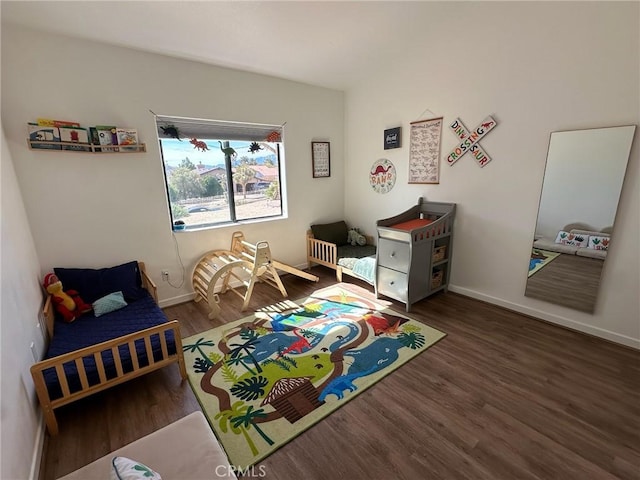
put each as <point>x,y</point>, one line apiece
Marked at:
<point>107,137</point>
<point>94,138</point>
<point>47,122</point>
<point>127,139</point>
<point>40,133</point>
<point>77,136</point>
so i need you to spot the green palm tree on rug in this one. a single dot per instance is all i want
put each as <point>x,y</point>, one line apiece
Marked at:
<point>284,362</point>
<point>247,420</point>
<point>201,342</point>
<point>250,388</point>
<point>413,340</point>
<point>227,372</point>
<point>246,348</point>
<point>241,360</point>
<point>239,418</point>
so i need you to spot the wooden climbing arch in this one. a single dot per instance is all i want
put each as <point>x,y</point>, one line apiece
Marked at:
<point>244,262</point>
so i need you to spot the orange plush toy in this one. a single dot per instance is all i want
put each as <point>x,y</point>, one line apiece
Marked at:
<point>68,304</point>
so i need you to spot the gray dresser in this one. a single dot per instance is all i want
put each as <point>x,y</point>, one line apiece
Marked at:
<point>413,258</point>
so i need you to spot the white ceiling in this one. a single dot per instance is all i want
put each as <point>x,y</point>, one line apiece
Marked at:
<point>333,44</point>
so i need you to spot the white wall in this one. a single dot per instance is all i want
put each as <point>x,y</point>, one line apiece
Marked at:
<point>21,300</point>
<point>536,68</point>
<point>99,210</point>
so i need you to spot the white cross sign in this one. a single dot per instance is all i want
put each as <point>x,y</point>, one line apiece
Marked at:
<point>470,141</point>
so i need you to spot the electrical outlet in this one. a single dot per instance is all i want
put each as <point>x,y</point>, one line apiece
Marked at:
<point>165,275</point>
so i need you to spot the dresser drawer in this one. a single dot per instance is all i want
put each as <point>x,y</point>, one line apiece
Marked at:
<point>392,254</point>
<point>392,284</point>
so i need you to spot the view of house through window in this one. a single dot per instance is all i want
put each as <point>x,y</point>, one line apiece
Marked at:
<point>220,172</point>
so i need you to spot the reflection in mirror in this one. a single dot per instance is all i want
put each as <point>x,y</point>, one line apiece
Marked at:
<point>580,192</point>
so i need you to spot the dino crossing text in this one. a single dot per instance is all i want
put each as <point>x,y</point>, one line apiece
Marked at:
<point>470,141</point>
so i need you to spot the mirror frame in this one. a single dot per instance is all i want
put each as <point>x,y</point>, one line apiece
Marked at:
<point>570,275</point>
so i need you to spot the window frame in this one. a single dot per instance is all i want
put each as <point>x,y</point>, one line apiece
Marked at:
<point>231,185</point>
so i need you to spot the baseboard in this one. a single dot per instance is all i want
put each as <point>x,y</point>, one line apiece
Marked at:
<point>167,302</point>
<point>187,297</point>
<point>549,317</point>
<point>36,460</point>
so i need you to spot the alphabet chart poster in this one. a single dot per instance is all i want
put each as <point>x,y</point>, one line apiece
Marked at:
<point>320,159</point>
<point>424,151</point>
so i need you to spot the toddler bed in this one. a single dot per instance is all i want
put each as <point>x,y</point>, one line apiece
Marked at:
<point>327,244</point>
<point>413,258</point>
<point>93,353</point>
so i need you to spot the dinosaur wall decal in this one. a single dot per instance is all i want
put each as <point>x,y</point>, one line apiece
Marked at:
<point>227,150</point>
<point>199,144</point>
<point>380,169</point>
<point>172,131</point>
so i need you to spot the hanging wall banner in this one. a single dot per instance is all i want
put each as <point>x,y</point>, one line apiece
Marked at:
<point>470,141</point>
<point>424,151</point>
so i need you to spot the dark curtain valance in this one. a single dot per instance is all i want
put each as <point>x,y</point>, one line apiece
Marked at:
<point>216,130</point>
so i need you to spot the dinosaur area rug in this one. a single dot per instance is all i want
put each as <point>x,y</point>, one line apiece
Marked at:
<point>266,378</point>
<point>539,259</point>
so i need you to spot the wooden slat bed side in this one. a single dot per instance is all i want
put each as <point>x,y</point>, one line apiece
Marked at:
<point>326,253</point>
<point>49,315</point>
<point>37,370</point>
<point>147,283</point>
<point>321,252</point>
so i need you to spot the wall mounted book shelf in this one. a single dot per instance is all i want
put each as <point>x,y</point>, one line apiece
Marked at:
<point>84,147</point>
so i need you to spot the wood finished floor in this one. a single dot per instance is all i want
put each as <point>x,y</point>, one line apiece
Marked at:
<point>503,396</point>
<point>569,280</point>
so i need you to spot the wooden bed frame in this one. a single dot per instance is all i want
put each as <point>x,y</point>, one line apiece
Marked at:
<point>37,371</point>
<point>326,253</point>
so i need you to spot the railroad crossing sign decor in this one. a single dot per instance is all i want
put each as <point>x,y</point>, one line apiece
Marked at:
<point>470,141</point>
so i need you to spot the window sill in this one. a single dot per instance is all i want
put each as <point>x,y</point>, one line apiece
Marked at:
<point>200,228</point>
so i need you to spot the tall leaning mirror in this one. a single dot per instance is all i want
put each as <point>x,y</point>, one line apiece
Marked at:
<point>582,183</point>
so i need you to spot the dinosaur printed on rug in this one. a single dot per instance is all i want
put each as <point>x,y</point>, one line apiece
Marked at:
<point>263,379</point>
<point>298,346</point>
<point>368,360</point>
<point>384,323</point>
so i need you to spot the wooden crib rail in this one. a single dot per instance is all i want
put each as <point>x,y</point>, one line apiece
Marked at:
<point>95,351</point>
<point>321,252</point>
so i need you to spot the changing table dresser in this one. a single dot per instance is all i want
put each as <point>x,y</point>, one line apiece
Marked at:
<point>413,258</point>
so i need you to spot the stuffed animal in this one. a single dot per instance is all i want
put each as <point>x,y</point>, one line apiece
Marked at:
<point>68,304</point>
<point>354,237</point>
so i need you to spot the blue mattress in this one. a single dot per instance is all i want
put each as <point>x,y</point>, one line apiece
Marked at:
<point>89,330</point>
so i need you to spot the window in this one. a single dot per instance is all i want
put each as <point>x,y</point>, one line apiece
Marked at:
<point>220,172</point>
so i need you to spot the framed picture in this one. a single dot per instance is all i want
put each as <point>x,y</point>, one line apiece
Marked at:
<point>320,158</point>
<point>424,151</point>
<point>392,138</point>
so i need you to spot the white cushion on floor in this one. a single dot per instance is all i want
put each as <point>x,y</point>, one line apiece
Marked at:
<point>186,449</point>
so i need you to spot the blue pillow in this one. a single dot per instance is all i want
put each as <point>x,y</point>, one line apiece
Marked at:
<point>109,303</point>
<point>93,284</point>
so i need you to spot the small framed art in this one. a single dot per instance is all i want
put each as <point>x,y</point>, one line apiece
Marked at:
<point>321,159</point>
<point>392,138</point>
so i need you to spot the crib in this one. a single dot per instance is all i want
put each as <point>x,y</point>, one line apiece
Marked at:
<point>327,245</point>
